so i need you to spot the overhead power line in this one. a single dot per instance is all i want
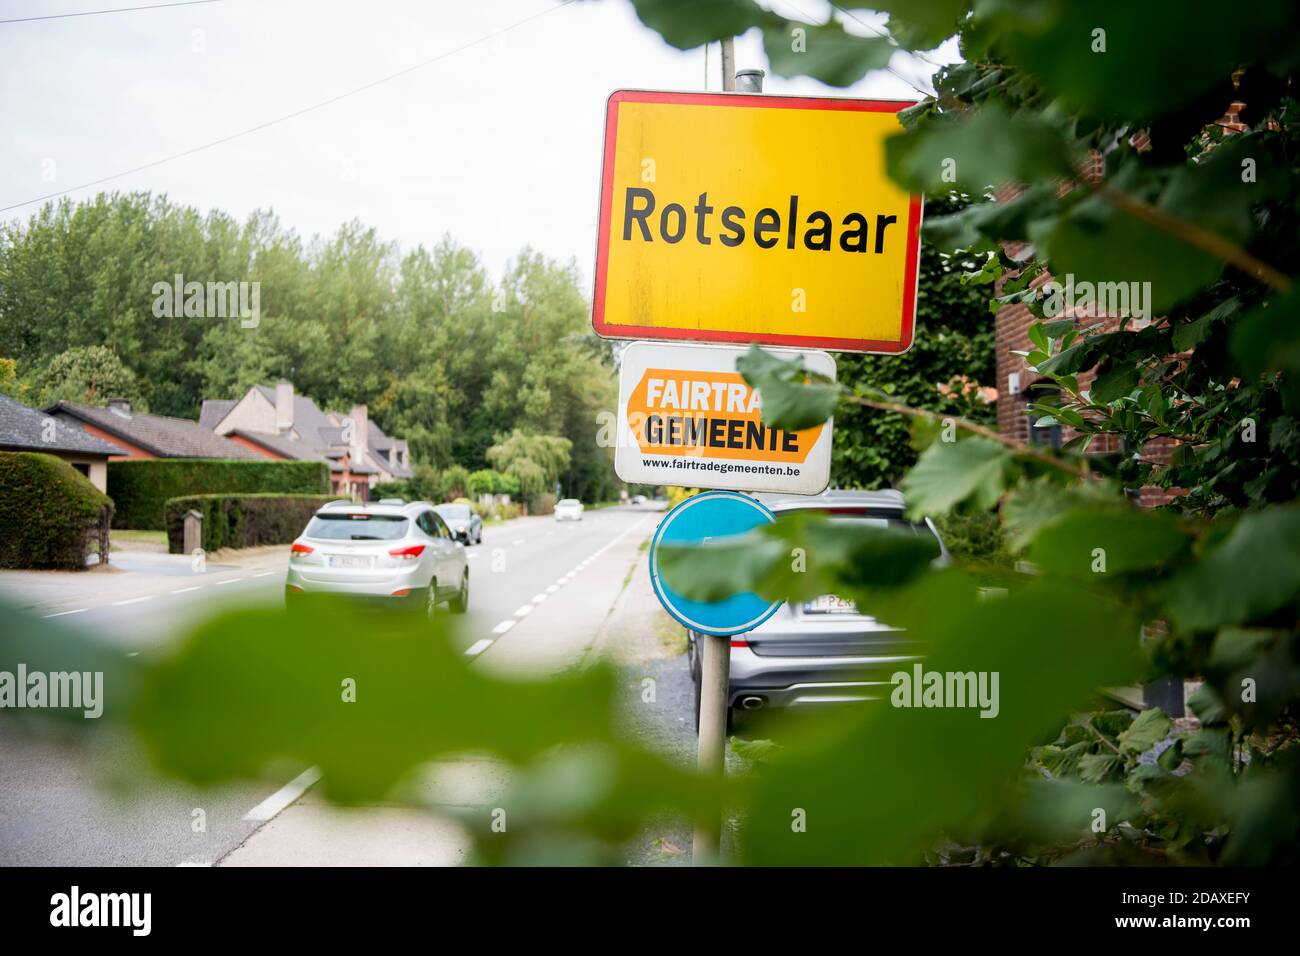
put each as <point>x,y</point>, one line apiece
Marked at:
<point>96,13</point>
<point>288,116</point>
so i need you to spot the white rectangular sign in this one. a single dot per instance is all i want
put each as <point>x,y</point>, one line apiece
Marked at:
<point>687,418</point>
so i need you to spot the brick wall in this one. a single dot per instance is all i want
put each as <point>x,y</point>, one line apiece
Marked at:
<point>1011,327</point>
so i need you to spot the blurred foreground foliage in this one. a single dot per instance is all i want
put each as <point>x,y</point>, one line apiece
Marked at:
<point>1207,588</point>
<point>1155,144</point>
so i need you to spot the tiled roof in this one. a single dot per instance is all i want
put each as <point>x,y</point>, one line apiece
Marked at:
<point>280,444</point>
<point>320,434</point>
<point>301,451</point>
<point>23,427</point>
<point>157,434</point>
<point>214,410</point>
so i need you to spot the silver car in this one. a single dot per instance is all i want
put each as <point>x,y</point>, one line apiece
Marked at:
<point>824,651</point>
<point>393,553</point>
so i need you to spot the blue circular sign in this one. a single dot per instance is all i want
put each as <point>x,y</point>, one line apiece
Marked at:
<point>710,516</point>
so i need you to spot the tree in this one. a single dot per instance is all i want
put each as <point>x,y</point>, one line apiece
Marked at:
<point>442,356</point>
<point>535,461</point>
<point>955,346</point>
<point>90,375</point>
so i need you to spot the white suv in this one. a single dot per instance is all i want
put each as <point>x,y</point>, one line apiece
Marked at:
<point>390,551</point>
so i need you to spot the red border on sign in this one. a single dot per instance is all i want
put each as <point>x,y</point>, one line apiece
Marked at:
<point>717,335</point>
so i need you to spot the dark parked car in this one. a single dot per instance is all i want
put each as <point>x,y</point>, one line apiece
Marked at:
<point>464,523</point>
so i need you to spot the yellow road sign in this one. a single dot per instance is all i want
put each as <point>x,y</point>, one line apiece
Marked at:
<point>747,218</point>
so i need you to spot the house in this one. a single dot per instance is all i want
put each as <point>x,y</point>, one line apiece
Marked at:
<point>276,423</point>
<point>26,429</point>
<point>141,435</point>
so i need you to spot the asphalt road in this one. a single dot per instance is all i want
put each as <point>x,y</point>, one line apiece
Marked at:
<point>91,801</point>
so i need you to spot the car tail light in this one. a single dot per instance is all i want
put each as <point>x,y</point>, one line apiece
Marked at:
<point>402,592</point>
<point>408,554</point>
<point>299,548</point>
<point>739,642</point>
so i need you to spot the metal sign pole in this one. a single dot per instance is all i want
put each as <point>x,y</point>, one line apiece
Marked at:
<point>715,654</point>
<point>715,678</point>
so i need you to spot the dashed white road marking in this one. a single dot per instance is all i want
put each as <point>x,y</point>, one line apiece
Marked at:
<point>503,626</point>
<point>61,613</point>
<point>478,647</point>
<point>186,590</point>
<point>524,610</point>
<point>291,791</point>
<point>552,588</point>
<point>517,541</point>
<point>539,598</point>
<point>135,600</point>
<point>230,580</point>
<point>265,574</point>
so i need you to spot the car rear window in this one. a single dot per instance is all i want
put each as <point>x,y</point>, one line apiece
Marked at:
<point>873,519</point>
<point>357,527</point>
<point>453,511</point>
<point>569,501</point>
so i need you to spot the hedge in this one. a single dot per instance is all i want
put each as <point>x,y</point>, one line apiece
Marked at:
<point>140,488</point>
<point>50,514</point>
<point>242,521</point>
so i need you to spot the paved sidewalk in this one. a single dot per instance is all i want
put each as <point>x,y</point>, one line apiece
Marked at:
<point>130,574</point>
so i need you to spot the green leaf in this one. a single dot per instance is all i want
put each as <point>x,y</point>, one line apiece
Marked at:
<point>1033,505</point>
<point>1110,250</point>
<point>1171,757</point>
<point>915,772</point>
<point>985,148</point>
<point>1119,72</point>
<point>1099,767</point>
<point>949,474</point>
<point>801,556</point>
<point>1206,704</point>
<point>1267,338</point>
<point>1253,571</point>
<point>1148,729</point>
<point>1117,383</point>
<point>792,399</point>
<point>826,52</point>
<point>1108,541</point>
<point>686,24</point>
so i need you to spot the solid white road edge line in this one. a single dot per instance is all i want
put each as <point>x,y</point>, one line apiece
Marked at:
<point>291,791</point>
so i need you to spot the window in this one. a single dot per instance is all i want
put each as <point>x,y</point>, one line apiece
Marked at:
<point>356,527</point>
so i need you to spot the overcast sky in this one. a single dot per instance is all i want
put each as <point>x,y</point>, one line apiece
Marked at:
<point>498,142</point>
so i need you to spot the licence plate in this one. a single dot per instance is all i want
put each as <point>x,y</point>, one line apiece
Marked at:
<point>830,604</point>
<point>351,561</point>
